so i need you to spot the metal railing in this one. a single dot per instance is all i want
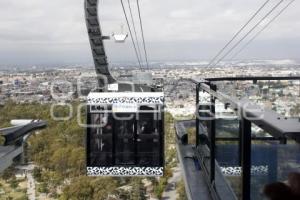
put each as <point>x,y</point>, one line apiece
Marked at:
<point>279,127</point>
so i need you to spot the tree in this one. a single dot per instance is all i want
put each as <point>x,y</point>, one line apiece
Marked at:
<point>43,188</point>
<point>103,187</point>
<point>295,111</point>
<point>37,174</point>
<point>160,187</point>
<point>9,173</point>
<point>59,152</point>
<point>138,189</point>
<point>52,179</point>
<point>181,191</point>
<point>83,188</point>
<point>79,189</point>
<point>60,160</point>
<point>2,140</point>
<point>14,183</point>
<point>77,161</point>
<point>23,197</point>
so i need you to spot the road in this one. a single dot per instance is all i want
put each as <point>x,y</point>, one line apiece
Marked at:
<point>30,186</point>
<point>170,191</point>
<point>30,180</point>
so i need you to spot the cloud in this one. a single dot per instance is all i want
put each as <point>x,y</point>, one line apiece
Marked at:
<point>58,25</point>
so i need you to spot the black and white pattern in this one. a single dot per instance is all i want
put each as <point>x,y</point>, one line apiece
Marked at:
<point>126,100</point>
<point>237,171</point>
<point>125,171</point>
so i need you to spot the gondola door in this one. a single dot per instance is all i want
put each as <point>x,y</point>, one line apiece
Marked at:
<point>125,136</point>
<point>125,139</point>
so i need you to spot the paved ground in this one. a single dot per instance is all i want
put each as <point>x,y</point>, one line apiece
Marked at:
<point>30,181</point>
<point>30,187</point>
<point>170,191</point>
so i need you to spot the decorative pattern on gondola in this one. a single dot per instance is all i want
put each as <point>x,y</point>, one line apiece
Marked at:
<point>125,171</point>
<point>127,100</point>
<point>237,171</point>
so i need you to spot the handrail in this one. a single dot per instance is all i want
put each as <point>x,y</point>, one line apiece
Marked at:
<point>278,126</point>
<point>275,124</point>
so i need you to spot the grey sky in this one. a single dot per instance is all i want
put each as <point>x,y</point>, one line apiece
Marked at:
<point>54,32</point>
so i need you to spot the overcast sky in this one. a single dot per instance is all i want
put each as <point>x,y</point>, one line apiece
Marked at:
<point>54,32</point>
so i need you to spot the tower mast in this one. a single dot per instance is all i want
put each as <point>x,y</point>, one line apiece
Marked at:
<point>97,45</point>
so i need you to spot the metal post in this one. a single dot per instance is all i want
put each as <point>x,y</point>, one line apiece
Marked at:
<point>135,139</point>
<point>97,45</point>
<point>240,142</point>
<point>88,137</point>
<point>197,114</point>
<point>246,158</point>
<point>114,139</point>
<point>162,135</point>
<point>212,136</point>
<point>283,140</point>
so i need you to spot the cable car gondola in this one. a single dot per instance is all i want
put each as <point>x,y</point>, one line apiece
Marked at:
<point>125,133</point>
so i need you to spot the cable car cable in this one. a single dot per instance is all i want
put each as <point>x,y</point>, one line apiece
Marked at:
<point>235,36</point>
<point>249,32</point>
<point>142,31</point>
<point>131,35</point>
<point>135,33</point>
<point>263,29</point>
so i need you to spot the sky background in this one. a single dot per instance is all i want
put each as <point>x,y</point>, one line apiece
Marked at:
<point>40,32</point>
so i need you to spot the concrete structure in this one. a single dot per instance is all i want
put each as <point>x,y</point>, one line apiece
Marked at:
<point>15,137</point>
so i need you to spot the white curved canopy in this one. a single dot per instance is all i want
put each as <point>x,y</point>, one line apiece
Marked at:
<point>120,38</point>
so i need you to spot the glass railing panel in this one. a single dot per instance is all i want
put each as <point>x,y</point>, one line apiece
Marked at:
<point>228,174</point>
<point>272,162</point>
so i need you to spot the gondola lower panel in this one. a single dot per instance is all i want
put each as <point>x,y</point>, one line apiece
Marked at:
<point>125,134</point>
